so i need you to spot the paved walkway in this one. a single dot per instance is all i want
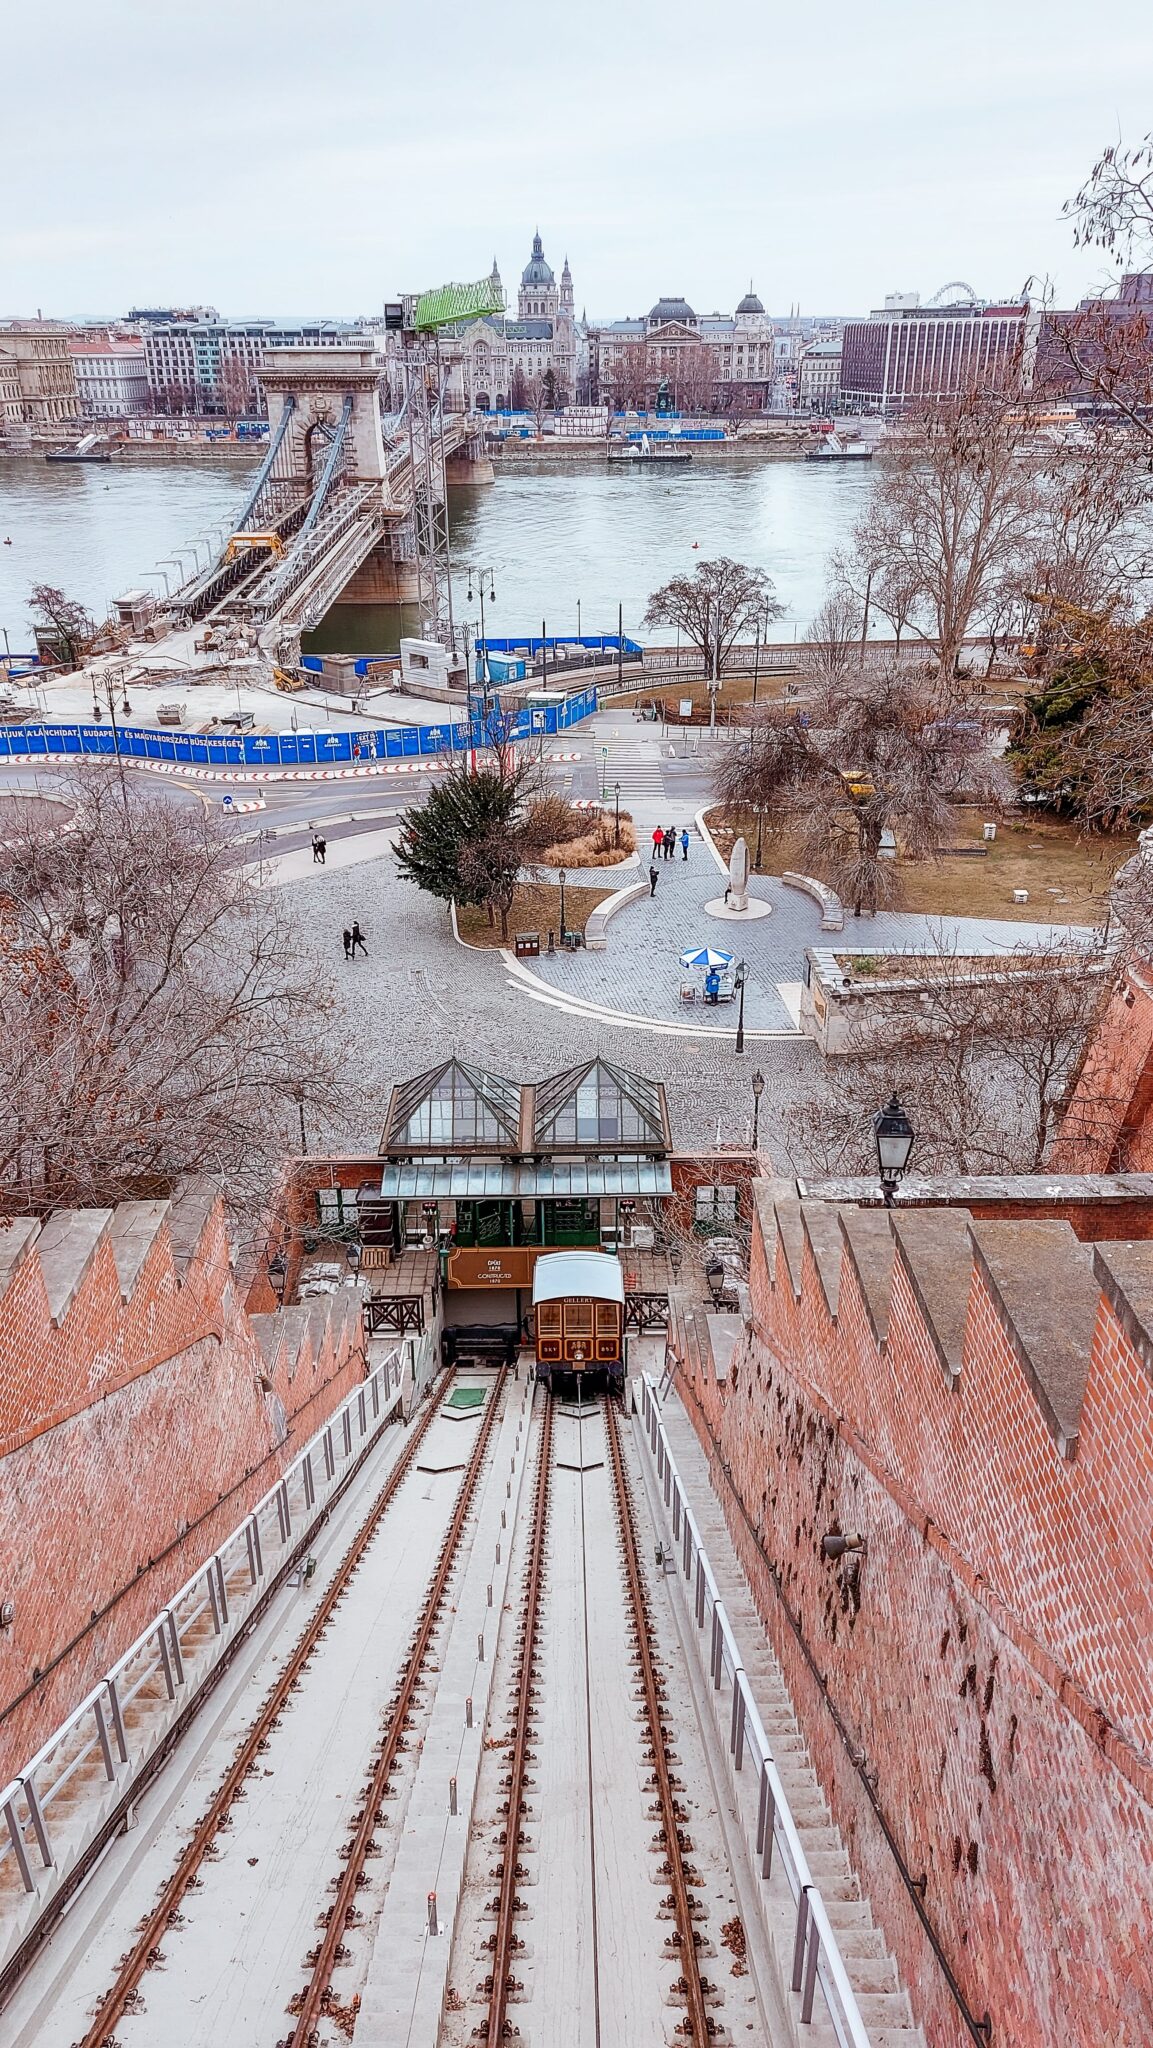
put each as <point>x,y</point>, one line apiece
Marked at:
<point>638,978</point>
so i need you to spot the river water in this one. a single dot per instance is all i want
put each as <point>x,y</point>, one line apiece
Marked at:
<point>555,530</point>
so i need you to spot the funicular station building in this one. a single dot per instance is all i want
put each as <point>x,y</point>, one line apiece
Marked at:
<point>482,1177</point>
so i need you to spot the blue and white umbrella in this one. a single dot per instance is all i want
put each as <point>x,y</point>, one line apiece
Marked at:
<point>705,956</point>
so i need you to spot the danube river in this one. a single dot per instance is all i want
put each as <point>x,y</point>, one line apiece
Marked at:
<point>554,530</point>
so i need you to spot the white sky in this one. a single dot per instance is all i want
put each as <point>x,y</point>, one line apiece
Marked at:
<point>279,157</point>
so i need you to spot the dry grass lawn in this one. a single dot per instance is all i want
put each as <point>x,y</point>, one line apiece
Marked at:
<point>535,908</point>
<point>1067,874</point>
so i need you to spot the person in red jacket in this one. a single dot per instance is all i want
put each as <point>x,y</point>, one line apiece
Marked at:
<point>658,842</point>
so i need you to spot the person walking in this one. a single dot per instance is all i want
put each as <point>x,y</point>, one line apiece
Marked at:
<point>658,842</point>
<point>318,846</point>
<point>685,843</point>
<point>357,937</point>
<point>347,937</point>
<point>653,878</point>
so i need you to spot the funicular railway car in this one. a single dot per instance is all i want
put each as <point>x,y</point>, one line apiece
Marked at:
<point>578,1303</point>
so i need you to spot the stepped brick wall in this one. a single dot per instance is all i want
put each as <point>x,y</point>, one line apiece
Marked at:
<point>974,1396</point>
<point>142,1412</point>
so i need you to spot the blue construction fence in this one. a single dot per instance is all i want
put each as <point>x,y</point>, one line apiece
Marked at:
<point>292,749</point>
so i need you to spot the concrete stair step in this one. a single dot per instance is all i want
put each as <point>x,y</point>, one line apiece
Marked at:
<point>885,2009</point>
<point>66,1247</point>
<point>135,1227</point>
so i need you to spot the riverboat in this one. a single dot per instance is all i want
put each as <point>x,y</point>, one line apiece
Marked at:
<point>90,449</point>
<point>831,448</point>
<point>643,451</point>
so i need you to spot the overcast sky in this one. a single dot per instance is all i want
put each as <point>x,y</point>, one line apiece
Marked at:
<point>280,157</point>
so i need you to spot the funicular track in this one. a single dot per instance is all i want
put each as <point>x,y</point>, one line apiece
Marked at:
<point>502,1985</point>
<point>146,1949</point>
<point>698,2027</point>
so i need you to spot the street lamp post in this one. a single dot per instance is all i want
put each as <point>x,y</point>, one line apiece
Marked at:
<point>604,775</point>
<point>479,577</point>
<point>561,880</point>
<point>895,1138</point>
<point>617,823</point>
<point>758,1091</point>
<point>741,975</point>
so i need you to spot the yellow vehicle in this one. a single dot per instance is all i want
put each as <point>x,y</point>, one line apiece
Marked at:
<point>253,543</point>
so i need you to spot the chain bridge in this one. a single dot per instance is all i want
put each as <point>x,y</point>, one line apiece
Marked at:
<point>348,502</point>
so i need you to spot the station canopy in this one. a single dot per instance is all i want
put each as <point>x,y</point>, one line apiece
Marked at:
<point>595,1108</point>
<point>491,1180</point>
<point>454,1106</point>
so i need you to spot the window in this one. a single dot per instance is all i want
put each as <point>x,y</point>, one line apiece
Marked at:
<point>336,1207</point>
<point>716,1208</point>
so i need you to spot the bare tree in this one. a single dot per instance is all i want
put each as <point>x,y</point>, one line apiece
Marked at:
<point>237,384</point>
<point>1114,208</point>
<point>155,1021</point>
<point>713,606</point>
<point>874,761</point>
<point>538,397</point>
<point>629,377</point>
<point>517,395</point>
<point>955,510</point>
<point>63,621</point>
<point>983,1055</point>
<point>696,378</point>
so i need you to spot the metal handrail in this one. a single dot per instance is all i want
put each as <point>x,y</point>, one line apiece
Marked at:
<point>817,1959</point>
<point>114,1747</point>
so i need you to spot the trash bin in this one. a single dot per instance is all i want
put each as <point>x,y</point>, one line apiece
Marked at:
<point>527,945</point>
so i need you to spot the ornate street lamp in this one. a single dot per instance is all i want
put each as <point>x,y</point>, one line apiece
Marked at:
<point>561,880</point>
<point>758,1091</point>
<point>740,976</point>
<point>895,1138</point>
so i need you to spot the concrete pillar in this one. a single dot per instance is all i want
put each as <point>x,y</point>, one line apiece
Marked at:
<point>381,580</point>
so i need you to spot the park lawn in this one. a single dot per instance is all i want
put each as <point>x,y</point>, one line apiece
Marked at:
<point>536,908</point>
<point>1067,873</point>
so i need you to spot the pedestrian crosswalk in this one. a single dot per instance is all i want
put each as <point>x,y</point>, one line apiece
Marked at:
<point>636,768</point>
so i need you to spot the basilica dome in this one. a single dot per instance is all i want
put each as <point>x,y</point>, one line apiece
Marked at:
<point>536,270</point>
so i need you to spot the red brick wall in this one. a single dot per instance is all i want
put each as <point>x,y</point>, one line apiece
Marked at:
<point>1108,1126</point>
<point>136,1437</point>
<point>989,1664</point>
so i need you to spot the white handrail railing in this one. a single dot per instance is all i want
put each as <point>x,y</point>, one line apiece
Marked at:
<point>96,1755</point>
<point>817,1959</point>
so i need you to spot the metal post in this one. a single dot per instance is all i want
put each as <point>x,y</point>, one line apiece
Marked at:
<point>620,647</point>
<point>810,1983</point>
<point>433,1924</point>
<point>452,1795</point>
<point>741,1018</point>
<point>799,1943</point>
<point>468,1712</point>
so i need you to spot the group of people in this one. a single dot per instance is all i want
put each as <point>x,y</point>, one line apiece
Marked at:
<point>665,848</point>
<point>352,940</point>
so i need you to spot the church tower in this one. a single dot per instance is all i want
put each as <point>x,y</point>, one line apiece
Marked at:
<point>538,298</point>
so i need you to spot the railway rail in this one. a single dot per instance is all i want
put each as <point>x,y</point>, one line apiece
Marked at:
<point>145,1949</point>
<point>692,1985</point>
<point>502,1985</point>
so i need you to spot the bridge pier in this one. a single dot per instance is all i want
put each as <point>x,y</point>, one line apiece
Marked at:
<point>381,579</point>
<point>470,465</point>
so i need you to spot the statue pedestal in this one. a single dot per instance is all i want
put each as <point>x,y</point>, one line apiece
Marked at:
<point>755,909</point>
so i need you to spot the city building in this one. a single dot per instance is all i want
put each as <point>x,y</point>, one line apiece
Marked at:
<point>1102,353</point>
<point>907,353</point>
<point>212,366</point>
<point>111,372</point>
<point>498,360</point>
<point>707,362</point>
<point>37,381</point>
<point>819,375</point>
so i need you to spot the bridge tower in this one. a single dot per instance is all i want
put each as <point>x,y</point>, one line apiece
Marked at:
<point>318,382</point>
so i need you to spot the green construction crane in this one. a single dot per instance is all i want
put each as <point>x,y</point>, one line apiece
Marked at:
<point>453,302</point>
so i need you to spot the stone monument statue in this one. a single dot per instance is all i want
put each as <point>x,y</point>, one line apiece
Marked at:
<point>739,877</point>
